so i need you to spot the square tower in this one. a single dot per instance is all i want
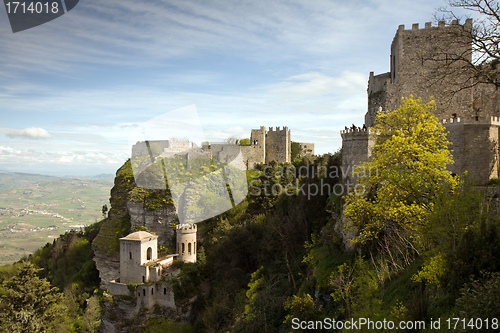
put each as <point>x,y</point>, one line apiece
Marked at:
<point>136,250</point>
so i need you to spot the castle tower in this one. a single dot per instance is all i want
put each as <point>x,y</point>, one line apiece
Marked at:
<point>278,145</point>
<point>423,63</point>
<point>414,69</point>
<point>357,145</point>
<point>186,242</point>
<point>137,249</point>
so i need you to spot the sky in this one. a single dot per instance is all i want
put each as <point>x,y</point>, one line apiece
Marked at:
<point>74,89</point>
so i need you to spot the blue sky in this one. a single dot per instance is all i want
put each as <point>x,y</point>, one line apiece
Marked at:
<point>73,89</point>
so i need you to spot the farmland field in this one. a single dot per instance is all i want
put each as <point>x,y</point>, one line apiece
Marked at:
<point>35,209</point>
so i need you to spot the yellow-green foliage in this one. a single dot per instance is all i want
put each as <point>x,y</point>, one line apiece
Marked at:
<point>255,284</point>
<point>432,271</point>
<point>302,307</point>
<point>407,172</point>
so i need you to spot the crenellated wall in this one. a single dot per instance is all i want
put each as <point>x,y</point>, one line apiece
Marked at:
<point>357,147</point>
<point>471,114</point>
<point>474,146</point>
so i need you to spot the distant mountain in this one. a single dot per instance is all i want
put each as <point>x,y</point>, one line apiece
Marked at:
<point>109,176</point>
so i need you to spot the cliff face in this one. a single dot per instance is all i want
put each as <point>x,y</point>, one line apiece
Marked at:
<point>132,208</point>
<point>160,222</point>
<point>130,211</point>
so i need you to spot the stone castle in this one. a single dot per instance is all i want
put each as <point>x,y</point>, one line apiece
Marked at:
<point>271,145</point>
<point>471,116</point>
<point>266,145</point>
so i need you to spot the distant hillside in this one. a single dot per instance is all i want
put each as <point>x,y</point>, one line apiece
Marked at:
<point>35,209</point>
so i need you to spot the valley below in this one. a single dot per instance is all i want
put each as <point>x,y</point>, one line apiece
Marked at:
<point>36,209</point>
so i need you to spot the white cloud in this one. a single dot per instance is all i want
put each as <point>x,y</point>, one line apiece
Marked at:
<point>315,84</point>
<point>34,133</point>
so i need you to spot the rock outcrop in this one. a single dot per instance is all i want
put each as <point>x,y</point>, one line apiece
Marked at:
<point>160,222</point>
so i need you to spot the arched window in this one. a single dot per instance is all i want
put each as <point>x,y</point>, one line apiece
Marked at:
<point>143,279</point>
<point>130,255</point>
<point>149,253</point>
<point>189,248</point>
<point>164,291</point>
<point>183,248</point>
<point>151,291</point>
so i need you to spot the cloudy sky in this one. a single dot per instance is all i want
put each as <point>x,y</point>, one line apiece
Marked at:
<point>72,90</point>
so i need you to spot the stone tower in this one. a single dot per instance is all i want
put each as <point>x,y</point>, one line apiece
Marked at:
<point>137,249</point>
<point>471,116</point>
<point>414,70</point>
<point>278,145</point>
<point>186,242</point>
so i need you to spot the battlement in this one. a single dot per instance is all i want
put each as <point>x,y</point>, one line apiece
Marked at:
<point>441,25</point>
<point>473,120</point>
<point>186,227</point>
<point>285,128</point>
<point>355,131</point>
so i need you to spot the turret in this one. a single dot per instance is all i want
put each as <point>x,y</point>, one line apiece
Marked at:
<point>186,242</point>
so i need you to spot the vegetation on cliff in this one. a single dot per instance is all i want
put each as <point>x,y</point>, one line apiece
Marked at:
<point>428,246</point>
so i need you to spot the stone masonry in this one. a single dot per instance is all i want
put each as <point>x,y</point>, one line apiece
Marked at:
<point>469,115</point>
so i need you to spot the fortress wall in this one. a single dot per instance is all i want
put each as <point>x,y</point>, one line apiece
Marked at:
<point>377,95</point>
<point>477,151</point>
<point>475,146</point>
<point>307,148</point>
<point>456,137</point>
<point>356,148</point>
<point>165,295</point>
<point>486,100</point>
<point>141,146</point>
<point>116,288</point>
<point>252,155</point>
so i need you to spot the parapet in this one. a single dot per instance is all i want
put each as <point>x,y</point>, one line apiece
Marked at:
<point>356,130</point>
<point>473,120</point>
<point>186,227</point>
<point>441,24</point>
<point>285,128</point>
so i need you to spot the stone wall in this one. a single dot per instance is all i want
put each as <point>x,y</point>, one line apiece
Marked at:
<point>414,71</point>
<point>307,148</point>
<point>474,146</point>
<point>356,148</point>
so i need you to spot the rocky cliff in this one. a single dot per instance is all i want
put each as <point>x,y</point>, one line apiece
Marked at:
<point>132,208</point>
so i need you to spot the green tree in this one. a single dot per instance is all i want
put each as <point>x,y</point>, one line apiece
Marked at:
<point>407,173</point>
<point>28,303</point>
<point>244,142</point>
<point>92,317</point>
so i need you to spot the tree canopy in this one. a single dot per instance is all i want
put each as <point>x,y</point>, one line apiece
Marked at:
<point>407,172</point>
<point>28,303</point>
